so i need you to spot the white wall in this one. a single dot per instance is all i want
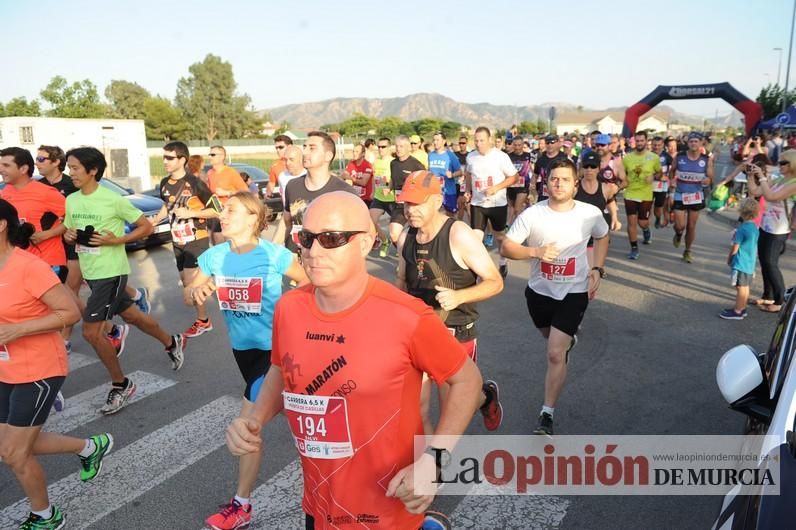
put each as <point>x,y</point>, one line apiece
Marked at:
<point>69,133</point>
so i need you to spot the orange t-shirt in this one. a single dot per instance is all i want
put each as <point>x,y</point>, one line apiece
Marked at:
<point>32,202</point>
<point>273,174</point>
<point>352,397</point>
<point>23,280</point>
<point>227,179</point>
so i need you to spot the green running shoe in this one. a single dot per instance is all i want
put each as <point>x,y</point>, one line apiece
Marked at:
<point>103,443</point>
<point>35,522</point>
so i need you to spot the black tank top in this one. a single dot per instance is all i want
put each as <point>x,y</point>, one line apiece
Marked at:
<point>597,199</point>
<point>431,264</point>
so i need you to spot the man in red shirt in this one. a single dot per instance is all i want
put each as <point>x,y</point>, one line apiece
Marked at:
<point>360,172</point>
<point>281,143</point>
<point>337,395</point>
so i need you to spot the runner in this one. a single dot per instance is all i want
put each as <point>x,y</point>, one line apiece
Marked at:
<point>444,264</point>
<point>383,196</point>
<point>294,168</point>
<point>517,193</point>
<point>461,204</point>
<point>671,150</point>
<point>281,144</point>
<point>360,172</point>
<point>598,194</point>
<point>642,167</point>
<point>548,152</point>
<point>400,167</point>
<point>95,220</point>
<point>246,274</point>
<point>561,283</point>
<point>34,366</point>
<point>223,182</point>
<point>692,171</point>
<point>660,187</point>
<point>356,448</point>
<point>488,173</point>
<point>417,151</point>
<point>443,163</point>
<point>184,198</point>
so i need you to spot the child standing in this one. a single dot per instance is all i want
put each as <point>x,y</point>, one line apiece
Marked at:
<point>742,257</point>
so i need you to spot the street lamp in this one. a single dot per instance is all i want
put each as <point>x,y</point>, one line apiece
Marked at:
<point>779,63</point>
<point>790,52</point>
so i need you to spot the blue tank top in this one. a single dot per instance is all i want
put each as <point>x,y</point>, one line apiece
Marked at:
<point>690,173</point>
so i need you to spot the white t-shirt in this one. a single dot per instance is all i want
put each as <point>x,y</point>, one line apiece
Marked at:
<point>569,231</point>
<point>283,178</point>
<point>486,171</point>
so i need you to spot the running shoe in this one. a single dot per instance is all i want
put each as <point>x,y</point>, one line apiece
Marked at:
<point>118,398</point>
<point>143,302</point>
<point>36,522</point>
<point>385,249</point>
<point>504,270</point>
<point>687,256</point>
<point>177,353</point>
<point>60,402</point>
<point>92,464</point>
<point>633,254</point>
<point>493,410</point>
<point>197,328</point>
<point>730,314</point>
<point>572,344</point>
<point>231,516</point>
<point>657,223</point>
<point>489,240</point>
<point>676,240</point>
<point>545,425</point>
<point>436,521</point>
<point>647,237</point>
<point>118,337</point>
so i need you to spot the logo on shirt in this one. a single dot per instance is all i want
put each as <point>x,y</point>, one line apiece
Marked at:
<point>319,380</point>
<point>326,337</point>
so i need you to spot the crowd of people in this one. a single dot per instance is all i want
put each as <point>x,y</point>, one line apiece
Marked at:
<point>439,207</point>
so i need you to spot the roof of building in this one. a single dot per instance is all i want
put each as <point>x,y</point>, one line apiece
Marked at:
<point>594,116</point>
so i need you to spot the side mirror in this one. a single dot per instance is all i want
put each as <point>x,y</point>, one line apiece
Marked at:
<point>130,191</point>
<point>743,384</point>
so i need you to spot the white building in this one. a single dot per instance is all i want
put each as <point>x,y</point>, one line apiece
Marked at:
<point>122,141</point>
<point>607,122</point>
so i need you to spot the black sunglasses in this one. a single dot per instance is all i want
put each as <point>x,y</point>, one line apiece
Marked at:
<point>383,146</point>
<point>330,239</point>
<point>600,145</point>
<point>590,166</point>
<point>784,163</point>
<point>41,159</point>
<point>169,157</point>
<point>280,146</point>
<point>215,154</point>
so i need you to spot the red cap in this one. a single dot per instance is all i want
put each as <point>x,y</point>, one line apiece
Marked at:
<point>419,186</point>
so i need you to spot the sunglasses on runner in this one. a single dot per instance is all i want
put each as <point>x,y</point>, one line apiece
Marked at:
<point>41,159</point>
<point>781,162</point>
<point>590,166</point>
<point>382,146</point>
<point>330,239</point>
<point>600,145</point>
<point>280,146</point>
<point>169,157</point>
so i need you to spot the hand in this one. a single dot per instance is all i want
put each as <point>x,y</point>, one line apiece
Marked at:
<point>422,474</point>
<point>243,436</point>
<point>9,333</point>
<point>547,253</point>
<point>616,225</point>
<point>198,295</point>
<point>449,174</point>
<point>490,191</point>
<point>105,238</point>
<point>594,283</point>
<point>182,213</point>
<point>38,237</point>
<point>448,298</point>
<point>467,196</point>
<point>70,236</point>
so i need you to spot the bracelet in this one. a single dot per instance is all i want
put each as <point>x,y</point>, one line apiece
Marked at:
<point>63,321</point>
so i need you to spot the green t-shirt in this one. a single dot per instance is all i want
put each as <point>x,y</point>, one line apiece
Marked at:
<point>381,176</point>
<point>104,210</point>
<point>638,168</point>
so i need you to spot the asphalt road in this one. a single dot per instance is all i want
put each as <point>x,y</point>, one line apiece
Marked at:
<point>645,364</point>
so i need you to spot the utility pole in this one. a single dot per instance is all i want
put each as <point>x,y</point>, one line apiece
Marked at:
<point>790,52</point>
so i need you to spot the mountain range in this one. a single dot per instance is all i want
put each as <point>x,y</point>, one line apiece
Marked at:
<point>427,105</point>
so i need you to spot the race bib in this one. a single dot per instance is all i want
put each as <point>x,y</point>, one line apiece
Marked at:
<point>382,183</point>
<point>545,193</point>
<point>659,185</point>
<point>692,198</point>
<point>82,249</point>
<point>4,353</point>
<point>359,190</point>
<point>319,425</point>
<point>294,232</point>
<point>239,294</point>
<point>183,233</point>
<point>561,270</point>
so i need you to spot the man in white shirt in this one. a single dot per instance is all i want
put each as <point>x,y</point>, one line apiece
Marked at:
<point>561,283</point>
<point>294,168</point>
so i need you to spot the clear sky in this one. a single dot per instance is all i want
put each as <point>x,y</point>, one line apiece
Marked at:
<point>596,54</point>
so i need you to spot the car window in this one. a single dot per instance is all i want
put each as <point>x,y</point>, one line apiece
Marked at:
<point>105,183</point>
<point>780,352</point>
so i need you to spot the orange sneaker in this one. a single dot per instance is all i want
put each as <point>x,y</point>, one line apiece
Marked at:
<point>198,327</point>
<point>231,516</point>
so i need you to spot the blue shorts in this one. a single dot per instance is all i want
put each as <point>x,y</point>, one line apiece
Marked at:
<point>450,202</point>
<point>740,279</point>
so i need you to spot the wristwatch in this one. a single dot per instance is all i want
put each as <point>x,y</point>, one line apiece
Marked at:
<point>600,270</point>
<point>442,457</point>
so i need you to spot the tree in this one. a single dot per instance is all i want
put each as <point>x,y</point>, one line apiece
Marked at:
<point>127,99</point>
<point>528,127</point>
<point>358,124</point>
<point>162,120</point>
<point>390,126</point>
<point>770,98</point>
<point>210,104</point>
<point>78,100</point>
<point>283,128</point>
<point>21,107</point>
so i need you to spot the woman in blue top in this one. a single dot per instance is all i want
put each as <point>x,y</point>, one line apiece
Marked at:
<point>246,274</point>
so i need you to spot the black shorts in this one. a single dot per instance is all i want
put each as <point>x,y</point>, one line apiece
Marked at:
<point>659,198</point>
<point>367,202</point>
<point>678,205</point>
<point>386,207</point>
<point>397,215</point>
<point>497,215</point>
<point>640,208</point>
<point>107,298</point>
<point>511,193</point>
<point>564,315</point>
<point>28,404</point>
<point>253,365</point>
<point>187,255</point>
<point>62,271</point>
<point>71,253</point>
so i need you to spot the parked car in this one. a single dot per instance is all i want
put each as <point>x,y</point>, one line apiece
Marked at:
<point>150,206</point>
<point>763,387</point>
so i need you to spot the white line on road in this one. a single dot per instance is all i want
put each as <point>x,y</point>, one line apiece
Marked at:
<point>138,467</point>
<point>527,512</point>
<point>84,407</point>
<point>78,361</point>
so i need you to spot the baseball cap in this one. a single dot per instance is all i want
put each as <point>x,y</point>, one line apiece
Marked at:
<point>604,139</point>
<point>590,158</point>
<point>419,186</point>
<point>551,138</point>
<point>567,143</point>
<point>695,134</point>
<point>414,139</point>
